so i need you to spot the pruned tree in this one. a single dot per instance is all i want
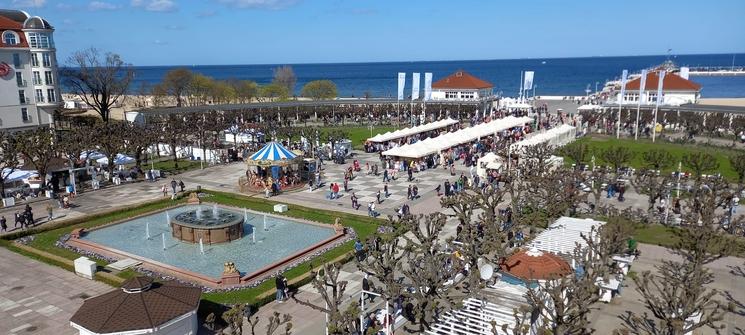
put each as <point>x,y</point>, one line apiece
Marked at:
<point>234,318</point>
<point>383,262</point>
<point>274,322</point>
<point>677,295</point>
<point>101,80</point>
<point>8,158</point>
<point>652,184</point>
<point>578,152</point>
<point>700,162</point>
<point>617,156</point>
<point>738,165</point>
<point>331,289</point>
<point>137,139</point>
<point>657,159</point>
<point>174,133</point>
<point>110,141</point>
<point>37,147</point>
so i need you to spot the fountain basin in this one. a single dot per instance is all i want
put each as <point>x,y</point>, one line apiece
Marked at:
<point>201,223</point>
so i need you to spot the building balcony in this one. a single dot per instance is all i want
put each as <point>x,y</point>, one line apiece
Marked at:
<point>25,101</point>
<point>22,83</point>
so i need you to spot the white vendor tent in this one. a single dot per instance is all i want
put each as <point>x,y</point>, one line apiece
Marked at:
<point>562,236</point>
<point>120,159</point>
<point>589,107</point>
<point>17,175</point>
<point>449,140</point>
<point>389,136</point>
<point>490,161</point>
<point>555,137</point>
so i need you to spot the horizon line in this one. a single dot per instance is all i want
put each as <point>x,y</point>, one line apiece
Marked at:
<point>445,60</point>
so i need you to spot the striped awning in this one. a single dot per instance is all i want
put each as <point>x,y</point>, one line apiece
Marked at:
<point>273,151</point>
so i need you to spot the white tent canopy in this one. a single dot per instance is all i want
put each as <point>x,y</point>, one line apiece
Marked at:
<point>389,136</point>
<point>449,140</point>
<point>589,107</point>
<point>565,234</point>
<point>17,175</point>
<point>555,137</point>
<point>120,159</point>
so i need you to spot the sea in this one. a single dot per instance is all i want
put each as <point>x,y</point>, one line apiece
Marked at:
<point>553,76</point>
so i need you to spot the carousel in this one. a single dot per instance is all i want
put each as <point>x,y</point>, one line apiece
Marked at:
<point>274,168</point>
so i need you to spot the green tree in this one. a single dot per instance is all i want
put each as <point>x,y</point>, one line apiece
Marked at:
<point>37,147</point>
<point>200,89</point>
<point>738,164</point>
<point>100,80</point>
<point>222,92</point>
<point>176,82</point>
<point>577,152</point>
<point>275,91</point>
<point>319,90</point>
<point>246,90</point>
<point>8,158</point>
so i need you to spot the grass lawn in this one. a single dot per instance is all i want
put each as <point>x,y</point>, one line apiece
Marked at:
<point>359,134</point>
<point>364,226</point>
<point>665,236</point>
<point>597,144</point>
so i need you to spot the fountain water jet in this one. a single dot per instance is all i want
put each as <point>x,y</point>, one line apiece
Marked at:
<point>147,230</point>
<point>168,218</point>
<point>253,236</point>
<point>201,246</point>
<point>198,213</point>
<point>214,211</point>
<point>163,238</point>
<point>265,228</point>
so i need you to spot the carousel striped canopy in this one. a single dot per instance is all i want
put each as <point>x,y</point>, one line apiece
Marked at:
<point>273,151</point>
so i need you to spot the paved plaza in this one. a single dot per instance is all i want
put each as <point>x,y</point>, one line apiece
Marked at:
<point>36,298</point>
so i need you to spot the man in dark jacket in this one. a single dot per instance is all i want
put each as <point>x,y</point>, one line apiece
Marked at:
<point>280,283</point>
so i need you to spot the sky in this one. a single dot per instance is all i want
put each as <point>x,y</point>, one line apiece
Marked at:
<point>206,32</point>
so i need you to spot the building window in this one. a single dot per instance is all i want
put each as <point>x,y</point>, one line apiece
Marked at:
<point>37,78</point>
<point>47,61</point>
<point>24,115</point>
<point>466,95</point>
<point>631,97</point>
<point>17,61</point>
<point>10,38</point>
<point>652,97</point>
<point>39,40</point>
<point>39,95</point>
<point>50,95</point>
<point>48,78</point>
<point>22,97</point>
<point>451,95</point>
<point>34,60</point>
<point>19,79</point>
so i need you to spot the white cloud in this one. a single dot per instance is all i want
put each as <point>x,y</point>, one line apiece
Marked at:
<point>100,5</point>
<point>155,5</point>
<point>29,3</point>
<point>259,4</point>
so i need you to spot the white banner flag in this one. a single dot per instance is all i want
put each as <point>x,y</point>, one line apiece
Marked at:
<point>528,82</point>
<point>659,88</point>
<point>401,83</point>
<point>427,86</point>
<point>642,85</point>
<point>684,72</point>
<point>415,86</point>
<point>624,76</point>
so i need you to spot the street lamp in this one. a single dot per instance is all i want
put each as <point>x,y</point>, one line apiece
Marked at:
<point>588,90</point>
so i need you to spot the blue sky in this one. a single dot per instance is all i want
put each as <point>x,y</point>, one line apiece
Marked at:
<point>181,32</point>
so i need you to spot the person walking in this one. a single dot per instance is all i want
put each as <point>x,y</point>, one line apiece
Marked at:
<point>377,196</point>
<point>385,190</point>
<point>174,184</point>
<point>3,223</point>
<point>181,185</point>
<point>164,189</point>
<point>366,287</point>
<point>385,175</point>
<point>359,250</point>
<point>355,204</point>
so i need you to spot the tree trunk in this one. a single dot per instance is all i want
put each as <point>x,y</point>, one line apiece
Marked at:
<point>175,159</point>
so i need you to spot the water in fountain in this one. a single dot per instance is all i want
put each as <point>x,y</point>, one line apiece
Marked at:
<point>265,222</point>
<point>198,213</point>
<point>168,218</point>
<point>147,230</point>
<point>253,236</point>
<point>214,211</point>
<point>163,237</point>
<point>201,246</point>
<point>245,216</point>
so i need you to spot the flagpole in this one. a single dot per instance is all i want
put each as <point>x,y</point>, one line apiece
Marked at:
<point>520,94</point>
<point>636,125</point>
<point>620,102</point>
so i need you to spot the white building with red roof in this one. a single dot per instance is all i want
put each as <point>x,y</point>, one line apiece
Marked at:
<point>461,86</point>
<point>676,90</point>
<point>29,82</point>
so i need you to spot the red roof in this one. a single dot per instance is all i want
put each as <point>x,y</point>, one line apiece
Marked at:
<point>8,24</point>
<point>671,82</point>
<point>536,265</point>
<point>461,80</point>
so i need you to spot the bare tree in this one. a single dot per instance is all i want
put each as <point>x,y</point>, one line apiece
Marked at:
<point>679,290</point>
<point>285,77</point>
<point>37,147</point>
<point>176,83</point>
<point>331,289</point>
<point>274,323</point>
<point>700,163</point>
<point>657,159</point>
<point>617,156</point>
<point>101,80</point>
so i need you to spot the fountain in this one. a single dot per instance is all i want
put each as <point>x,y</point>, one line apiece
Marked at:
<point>215,226</point>
<point>163,237</point>
<point>245,216</point>
<point>253,236</point>
<point>265,228</point>
<point>147,230</point>
<point>168,217</point>
<point>201,246</point>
